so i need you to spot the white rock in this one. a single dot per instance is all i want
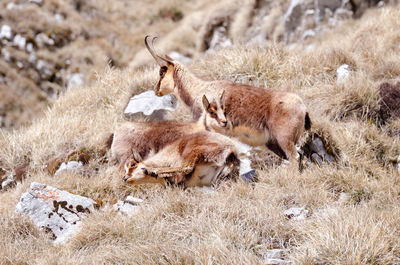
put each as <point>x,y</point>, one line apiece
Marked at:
<point>276,262</point>
<point>308,34</point>
<point>42,38</point>
<point>55,210</point>
<point>342,73</point>
<point>297,213</point>
<point>343,197</point>
<point>38,2</point>
<point>29,47</point>
<point>20,41</point>
<point>71,165</point>
<point>58,17</point>
<point>147,103</point>
<point>274,253</point>
<point>220,39</point>
<point>6,54</point>
<point>10,5</point>
<point>75,80</point>
<point>179,57</point>
<point>5,32</point>
<point>398,163</point>
<point>20,65</point>
<point>125,208</point>
<point>133,200</point>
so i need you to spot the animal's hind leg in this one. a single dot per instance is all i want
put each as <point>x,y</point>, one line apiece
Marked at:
<point>290,150</point>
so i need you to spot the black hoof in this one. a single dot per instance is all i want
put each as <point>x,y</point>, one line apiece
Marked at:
<point>145,171</point>
<point>250,176</point>
<point>154,175</point>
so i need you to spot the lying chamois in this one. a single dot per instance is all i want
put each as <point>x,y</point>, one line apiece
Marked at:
<point>256,116</point>
<point>198,159</point>
<point>140,140</point>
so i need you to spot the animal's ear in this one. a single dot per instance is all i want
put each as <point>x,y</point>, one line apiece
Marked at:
<point>206,104</point>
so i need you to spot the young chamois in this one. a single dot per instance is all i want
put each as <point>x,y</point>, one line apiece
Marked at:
<point>140,140</point>
<point>198,159</point>
<point>256,116</point>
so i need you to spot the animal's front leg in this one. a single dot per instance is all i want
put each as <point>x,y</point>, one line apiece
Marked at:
<point>166,172</point>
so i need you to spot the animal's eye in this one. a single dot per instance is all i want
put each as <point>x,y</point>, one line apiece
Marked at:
<point>163,70</point>
<point>133,164</point>
<point>213,114</point>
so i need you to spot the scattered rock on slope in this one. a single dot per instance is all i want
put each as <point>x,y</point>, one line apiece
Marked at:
<point>56,211</point>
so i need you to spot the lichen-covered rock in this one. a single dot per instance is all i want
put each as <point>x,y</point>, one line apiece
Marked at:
<point>148,104</point>
<point>56,211</point>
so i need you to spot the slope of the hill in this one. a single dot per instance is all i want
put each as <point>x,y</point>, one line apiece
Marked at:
<point>353,204</point>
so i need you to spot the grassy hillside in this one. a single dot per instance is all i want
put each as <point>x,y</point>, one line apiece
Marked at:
<point>354,202</point>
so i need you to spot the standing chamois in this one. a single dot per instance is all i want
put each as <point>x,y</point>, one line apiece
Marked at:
<point>256,116</point>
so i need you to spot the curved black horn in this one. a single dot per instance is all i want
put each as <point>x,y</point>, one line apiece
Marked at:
<point>151,50</point>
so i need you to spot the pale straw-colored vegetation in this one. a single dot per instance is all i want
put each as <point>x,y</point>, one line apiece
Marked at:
<point>236,222</point>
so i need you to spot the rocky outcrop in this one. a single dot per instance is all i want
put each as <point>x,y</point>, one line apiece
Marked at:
<point>56,211</point>
<point>256,21</point>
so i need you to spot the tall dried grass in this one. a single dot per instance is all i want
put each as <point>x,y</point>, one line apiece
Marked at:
<point>236,223</point>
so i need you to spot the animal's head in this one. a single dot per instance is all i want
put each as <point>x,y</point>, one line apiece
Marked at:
<point>166,83</point>
<point>214,114</point>
<point>136,173</point>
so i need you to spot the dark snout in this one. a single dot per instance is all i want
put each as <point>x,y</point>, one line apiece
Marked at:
<point>125,178</point>
<point>224,123</point>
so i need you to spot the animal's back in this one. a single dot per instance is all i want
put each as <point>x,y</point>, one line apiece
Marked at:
<point>143,138</point>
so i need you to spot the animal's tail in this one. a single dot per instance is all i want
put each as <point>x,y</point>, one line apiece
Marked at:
<point>307,122</point>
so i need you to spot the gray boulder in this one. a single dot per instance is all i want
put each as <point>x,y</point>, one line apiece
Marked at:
<point>56,211</point>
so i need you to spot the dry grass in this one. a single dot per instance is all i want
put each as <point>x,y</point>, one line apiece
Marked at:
<point>235,223</point>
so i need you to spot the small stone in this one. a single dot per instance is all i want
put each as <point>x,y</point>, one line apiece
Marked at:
<point>38,2</point>
<point>5,32</point>
<point>276,262</point>
<point>29,47</point>
<point>75,80</point>
<point>71,165</point>
<point>59,17</point>
<point>342,73</point>
<point>20,41</point>
<point>42,38</point>
<point>125,208</point>
<point>274,253</point>
<point>10,6</point>
<point>132,200</point>
<point>297,213</point>
<point>316,158</point>
<point>398,163</point>
<point>343,197</point>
